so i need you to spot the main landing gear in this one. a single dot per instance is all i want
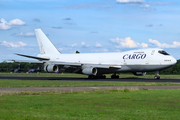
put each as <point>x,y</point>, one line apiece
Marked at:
<point>96,77</point>
<point>157,76</point>
<point>114,76</point>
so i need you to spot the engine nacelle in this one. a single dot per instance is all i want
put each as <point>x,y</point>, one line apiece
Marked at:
<point>89,71</point>
<point>51,68</point>
<point>139,73</point>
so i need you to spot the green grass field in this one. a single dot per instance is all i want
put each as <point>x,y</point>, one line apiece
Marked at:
<point>92,105</point>
<point>124,104</point>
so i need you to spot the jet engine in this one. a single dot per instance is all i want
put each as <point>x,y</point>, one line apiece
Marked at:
<point>89,71</point>
<point>51,68</point>
<point>139,73</point>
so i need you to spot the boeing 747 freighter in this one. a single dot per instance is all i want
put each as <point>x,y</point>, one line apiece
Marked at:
<point>95,65</point>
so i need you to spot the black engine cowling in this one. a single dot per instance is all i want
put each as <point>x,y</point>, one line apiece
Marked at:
<point>51,68</point>
<point>89,71</point>
<point>139,73</point>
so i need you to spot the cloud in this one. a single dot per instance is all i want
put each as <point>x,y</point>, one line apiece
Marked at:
<point>22,44</point>
<point>4,25</point>
<point>69,23</point>
<point>86,6</point>
<point>175,44</point>
<point>84,44</point>
<point>36,20</point>
<point>73,45</point>
<point>16,22</point>
<point>67,19</point>
<point>145,6</point>
<point>14,45</point>
<point>98,44</point>
<point>25,34</point>
<point>158,3</point>
<point>129,1</point>
<point>149,25</point>
<point>93,32</point>
<point>60,49</point>
<point>144,45</point>
<point>57,27</point>
<point>101,50</point>
<point>105,50</point>
<point>127,43</point>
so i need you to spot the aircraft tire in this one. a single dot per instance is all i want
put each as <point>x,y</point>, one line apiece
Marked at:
<point>117,76</point>
<point>157,77</point>
<point>114,76</point>
<point>91,77</point>
<point>104,77</point>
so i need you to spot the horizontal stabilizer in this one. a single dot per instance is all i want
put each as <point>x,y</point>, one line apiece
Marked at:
<point>38,58</point>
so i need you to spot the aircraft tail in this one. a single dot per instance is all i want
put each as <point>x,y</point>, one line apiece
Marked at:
<point>45,45</point>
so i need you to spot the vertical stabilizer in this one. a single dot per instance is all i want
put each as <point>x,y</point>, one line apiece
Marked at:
<point>45,45</point>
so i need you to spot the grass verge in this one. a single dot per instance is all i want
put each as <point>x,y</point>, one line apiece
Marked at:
<point>107,105</point>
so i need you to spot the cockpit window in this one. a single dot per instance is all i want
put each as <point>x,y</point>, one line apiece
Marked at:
<point>163,52</point>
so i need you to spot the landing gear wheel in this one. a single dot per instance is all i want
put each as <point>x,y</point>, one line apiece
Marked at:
<point>157,77</point>
<point>117,76</point>
<point>96,77</point>
<point>114,76</point>
<point>104,77</point>
<point>91,77</point>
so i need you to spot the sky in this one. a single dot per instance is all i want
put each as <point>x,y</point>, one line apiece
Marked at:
<point>93,26</point>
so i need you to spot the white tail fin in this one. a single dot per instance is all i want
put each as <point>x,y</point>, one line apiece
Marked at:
<point>45,45</point>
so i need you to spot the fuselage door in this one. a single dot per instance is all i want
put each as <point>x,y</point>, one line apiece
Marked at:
<point>125,61</point>
<point>147,60</point>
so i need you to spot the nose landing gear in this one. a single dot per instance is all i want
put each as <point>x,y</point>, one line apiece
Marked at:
<point>157,76</point>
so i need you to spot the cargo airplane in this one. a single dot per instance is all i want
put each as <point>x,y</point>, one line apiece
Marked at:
<point>95,65</point>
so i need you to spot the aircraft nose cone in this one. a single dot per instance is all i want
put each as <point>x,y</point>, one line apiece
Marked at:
<point>174,61</point>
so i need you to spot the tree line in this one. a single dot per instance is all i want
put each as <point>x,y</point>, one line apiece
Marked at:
<point>11,66</point>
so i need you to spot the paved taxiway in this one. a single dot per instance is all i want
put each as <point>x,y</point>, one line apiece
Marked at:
<point>70,89</point>
<point>86,79</point>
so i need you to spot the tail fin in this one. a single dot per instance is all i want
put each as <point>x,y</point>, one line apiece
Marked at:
<point>45,45</point>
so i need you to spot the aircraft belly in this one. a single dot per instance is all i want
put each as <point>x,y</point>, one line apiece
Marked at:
<point>147,68</point>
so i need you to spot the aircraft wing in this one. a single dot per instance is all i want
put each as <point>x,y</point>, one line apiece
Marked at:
<point>38,58</point>
<point>62,63</point>
<point>71,64</point>
<point>86,64</point>
<point>27,61</point>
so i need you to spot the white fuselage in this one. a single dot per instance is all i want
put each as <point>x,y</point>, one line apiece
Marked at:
<point>134,60</point>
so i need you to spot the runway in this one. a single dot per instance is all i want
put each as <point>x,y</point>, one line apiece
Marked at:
<point>86,79</point>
